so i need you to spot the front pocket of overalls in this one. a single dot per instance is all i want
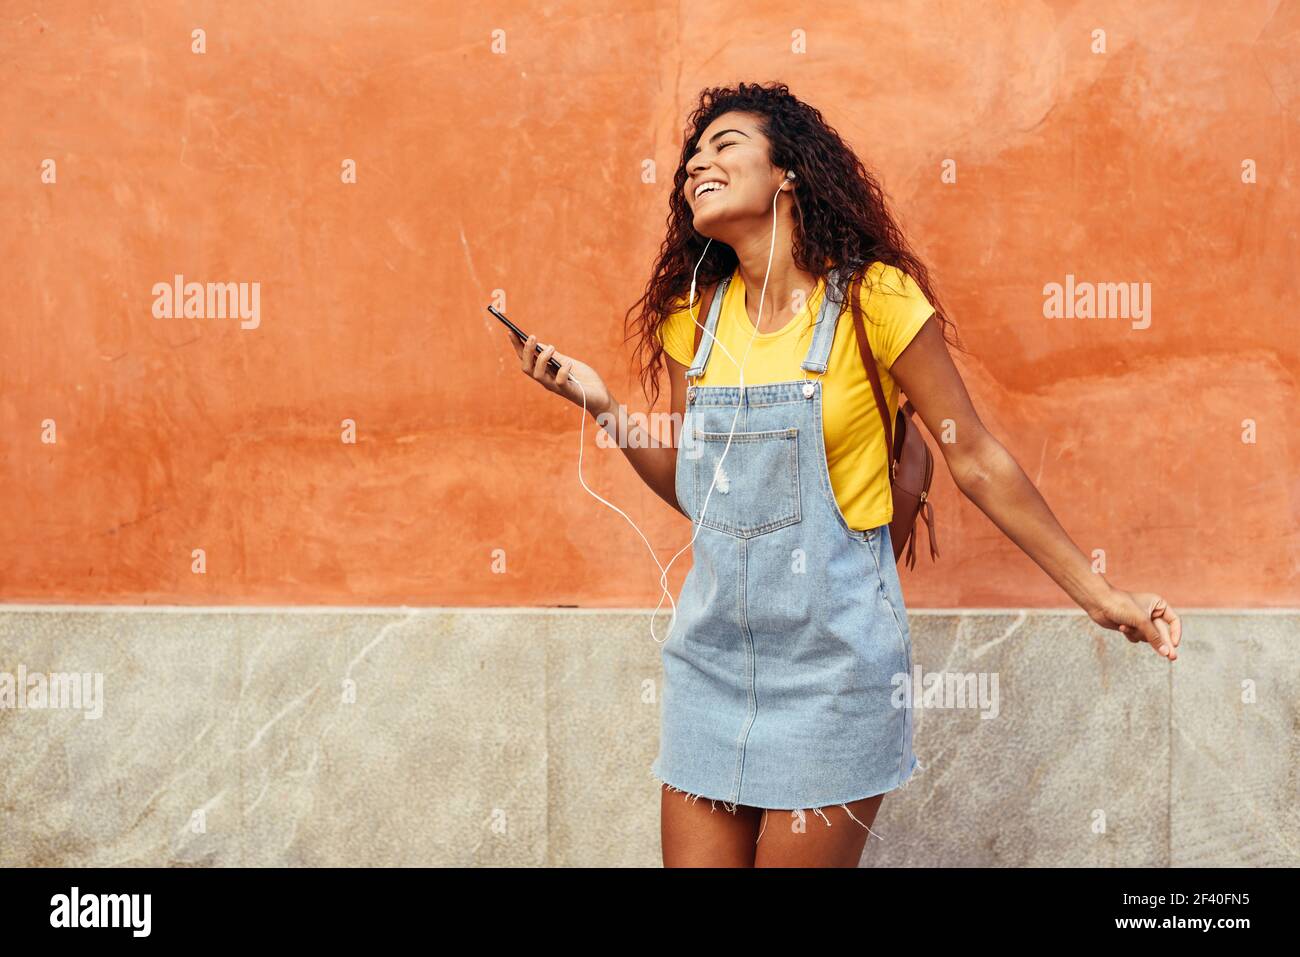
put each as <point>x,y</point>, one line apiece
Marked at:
<point>757,487</point>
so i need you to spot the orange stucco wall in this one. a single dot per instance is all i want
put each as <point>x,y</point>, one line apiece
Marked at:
<point>521,171</point>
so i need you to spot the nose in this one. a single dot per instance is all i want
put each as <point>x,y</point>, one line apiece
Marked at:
<point>696,166</point>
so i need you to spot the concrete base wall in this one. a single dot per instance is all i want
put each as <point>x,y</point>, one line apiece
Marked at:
<point>525,737</point>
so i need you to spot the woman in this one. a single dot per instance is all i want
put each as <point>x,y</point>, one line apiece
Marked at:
<point>781,664</point>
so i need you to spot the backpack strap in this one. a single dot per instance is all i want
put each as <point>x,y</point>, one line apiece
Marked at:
<point>869,361</point>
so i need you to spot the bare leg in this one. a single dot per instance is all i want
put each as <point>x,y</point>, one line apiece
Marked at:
<point>700,832</point>
<point>803,839</point>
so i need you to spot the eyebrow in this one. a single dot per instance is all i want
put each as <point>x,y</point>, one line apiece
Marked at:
<point>719,134</point>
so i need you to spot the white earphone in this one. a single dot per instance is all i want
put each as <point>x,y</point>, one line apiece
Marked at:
<point>740,366</point>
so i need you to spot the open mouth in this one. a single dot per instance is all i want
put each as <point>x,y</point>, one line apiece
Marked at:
<point>711,189</point>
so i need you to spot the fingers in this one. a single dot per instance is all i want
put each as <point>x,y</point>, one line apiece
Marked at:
<point>1155,629</point>
<point>532,361</point>
<point>537,364</point>
<point>1168,622</point>
<point>562,376</point>
<point>1151,621</point>
<point>1154,639</point>
<point>541,365</point>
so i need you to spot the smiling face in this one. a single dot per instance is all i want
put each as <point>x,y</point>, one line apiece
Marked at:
<point>730,177</point>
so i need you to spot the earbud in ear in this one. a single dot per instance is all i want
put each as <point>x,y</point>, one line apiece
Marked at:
<point>789,174</point>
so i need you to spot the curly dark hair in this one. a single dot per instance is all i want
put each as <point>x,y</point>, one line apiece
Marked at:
<point>840,215</point>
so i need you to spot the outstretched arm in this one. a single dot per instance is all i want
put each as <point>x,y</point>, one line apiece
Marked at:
<point>989,476</point>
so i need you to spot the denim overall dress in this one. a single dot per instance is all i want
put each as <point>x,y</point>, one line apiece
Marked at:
<point>784,668</point>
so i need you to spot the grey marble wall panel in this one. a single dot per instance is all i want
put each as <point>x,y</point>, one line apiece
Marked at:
<point>503,737</point>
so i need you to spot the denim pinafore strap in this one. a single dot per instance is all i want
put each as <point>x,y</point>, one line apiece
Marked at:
<point>786,669</point>
<point>823,336</point>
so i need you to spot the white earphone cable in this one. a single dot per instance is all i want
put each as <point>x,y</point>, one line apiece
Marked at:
<point>663,569</point>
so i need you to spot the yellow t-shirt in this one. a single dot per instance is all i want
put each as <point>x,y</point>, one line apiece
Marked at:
<point>894,309</point>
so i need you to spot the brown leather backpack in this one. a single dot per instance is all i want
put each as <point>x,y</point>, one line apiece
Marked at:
<point>908,458</point>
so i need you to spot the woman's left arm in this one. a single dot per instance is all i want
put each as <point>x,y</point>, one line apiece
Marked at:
<point>989,476</point>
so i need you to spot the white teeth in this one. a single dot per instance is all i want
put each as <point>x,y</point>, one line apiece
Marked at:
<point>708,188</point>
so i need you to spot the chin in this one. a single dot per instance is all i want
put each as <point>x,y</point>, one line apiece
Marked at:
<point>708,224</point>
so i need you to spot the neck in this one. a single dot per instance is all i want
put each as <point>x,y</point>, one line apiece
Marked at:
<point>784,279</point>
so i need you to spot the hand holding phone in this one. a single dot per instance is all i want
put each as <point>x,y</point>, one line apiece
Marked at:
<point>567,377</point>
<point>519,334</point>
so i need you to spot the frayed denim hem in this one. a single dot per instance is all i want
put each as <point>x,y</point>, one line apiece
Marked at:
<point>800,812</point>
<point>687,795</point>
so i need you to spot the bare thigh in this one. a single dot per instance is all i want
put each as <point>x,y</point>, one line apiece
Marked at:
<point>792,840</point>
<point>698,832</point>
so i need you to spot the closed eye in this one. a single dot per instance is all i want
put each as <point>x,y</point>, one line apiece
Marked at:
<point>721,147</point>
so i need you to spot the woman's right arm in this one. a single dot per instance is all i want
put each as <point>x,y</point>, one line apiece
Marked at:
<point>654,462</point>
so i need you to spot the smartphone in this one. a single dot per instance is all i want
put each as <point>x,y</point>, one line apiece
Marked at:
<point>554,363</point>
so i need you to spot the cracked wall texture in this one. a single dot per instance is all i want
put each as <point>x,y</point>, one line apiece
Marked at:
<point>525,737</point>
<point>522,172</point>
